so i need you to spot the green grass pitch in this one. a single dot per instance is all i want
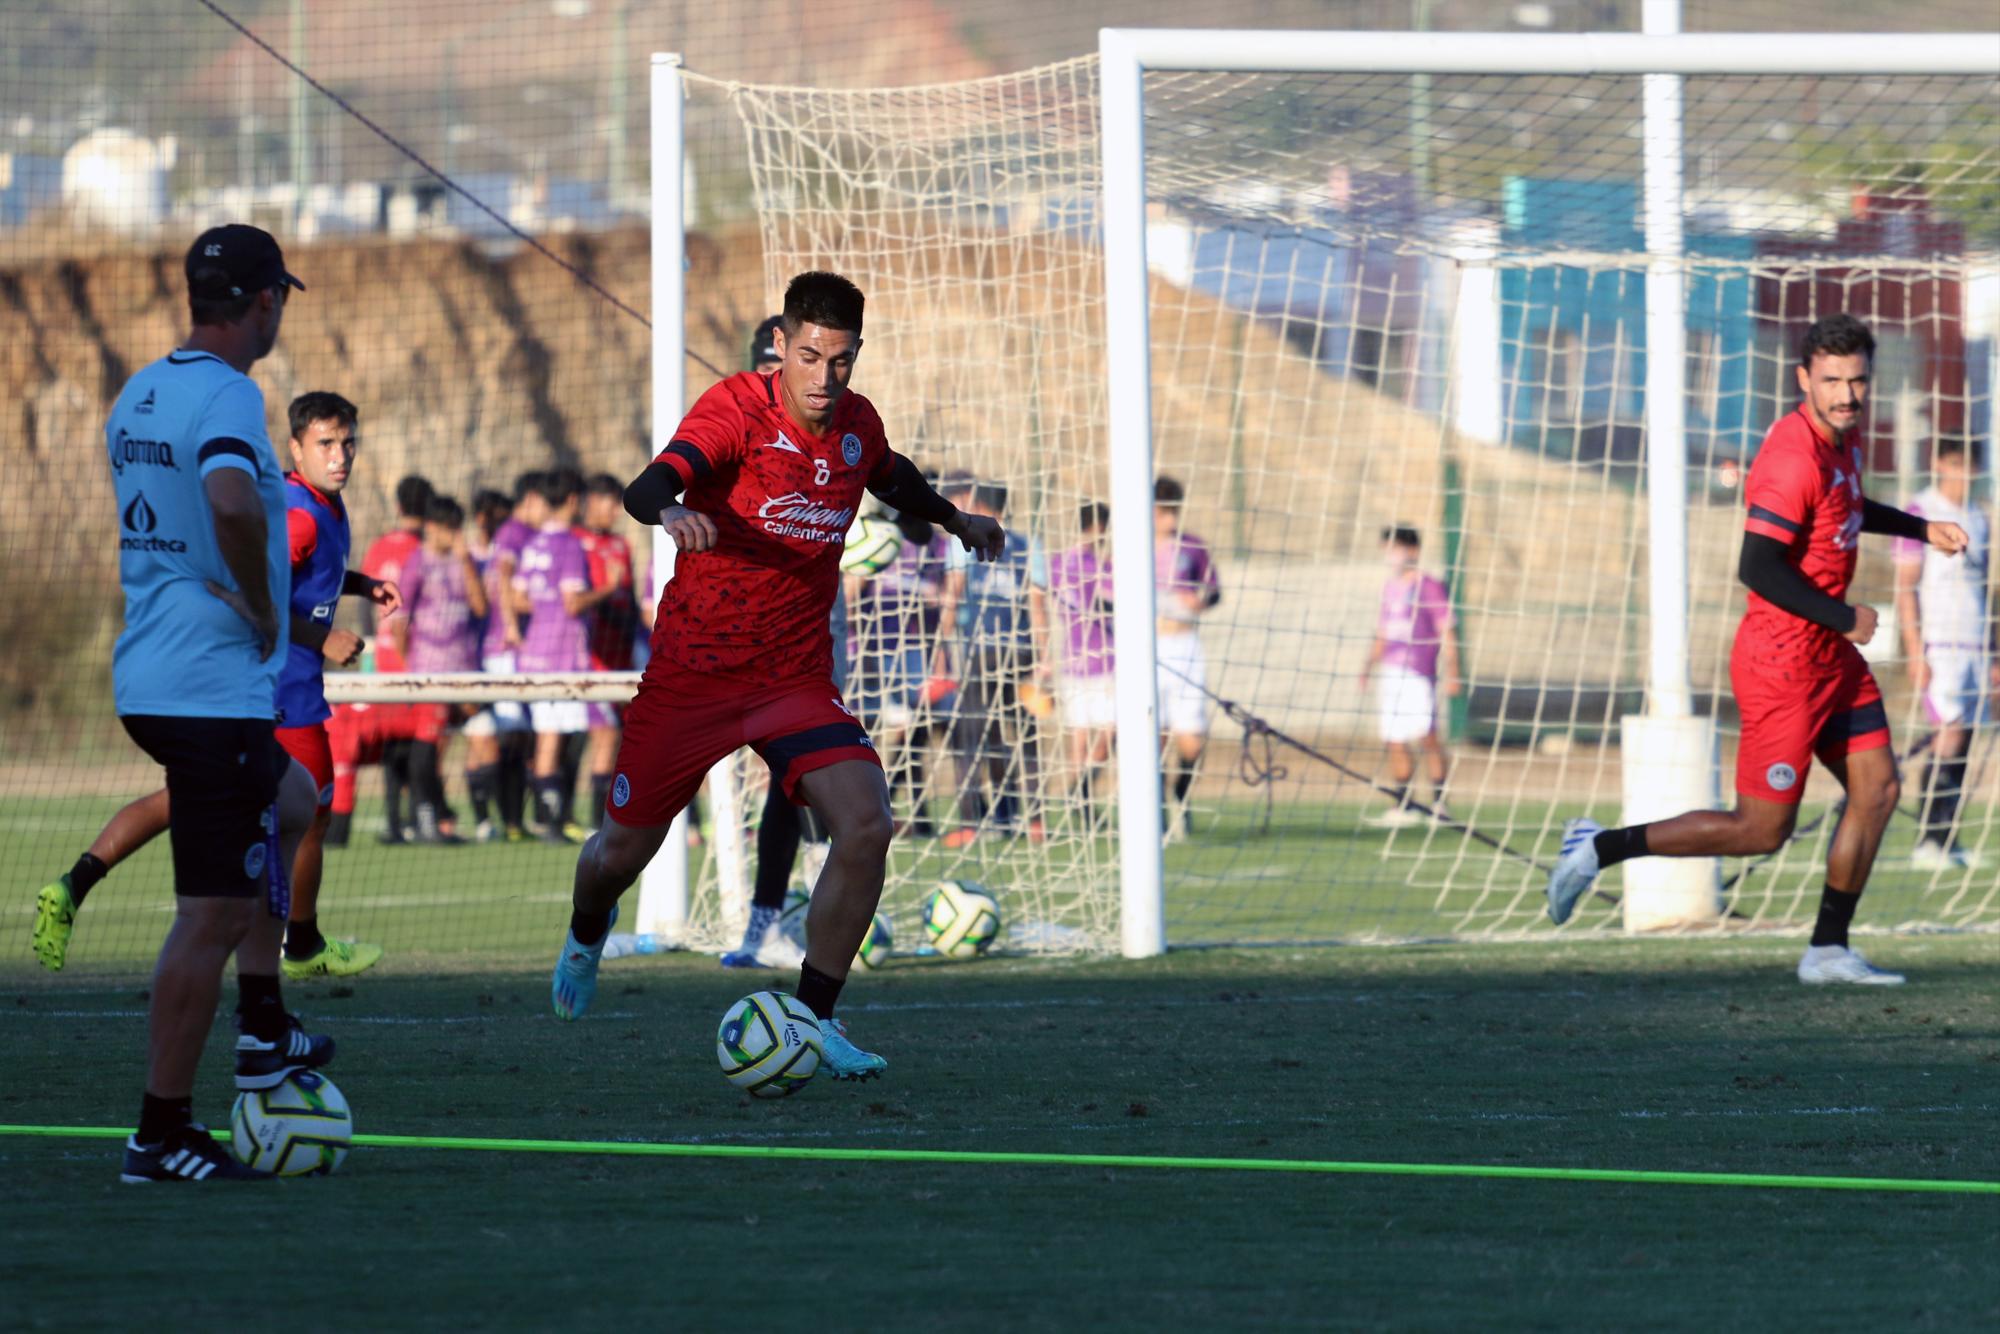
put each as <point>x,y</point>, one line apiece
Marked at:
<point>1642,1055</point>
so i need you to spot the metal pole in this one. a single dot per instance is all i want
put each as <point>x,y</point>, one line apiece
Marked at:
<point>1128,356</point>
<point>299,131</point>
<point>621,56</point>
<point>663,887</point>
<point>1667,689</point>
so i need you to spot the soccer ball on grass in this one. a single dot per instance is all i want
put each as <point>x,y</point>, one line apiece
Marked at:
<point>961,918</point>
<point>768,1045</point>
<point>301,1127</point>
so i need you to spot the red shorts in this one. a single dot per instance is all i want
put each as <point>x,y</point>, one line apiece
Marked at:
<point>1790,717</point>
<point>676,730</point>
<point>310,747</point>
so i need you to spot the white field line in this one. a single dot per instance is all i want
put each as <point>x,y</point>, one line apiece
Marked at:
<point>332,1018</point>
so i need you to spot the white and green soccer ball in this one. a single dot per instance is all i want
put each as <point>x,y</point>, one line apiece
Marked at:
<point>301,1127</point>
<point>877,945</point>
<point>792,917</point>
<point>961,918</point>
<point>768,1045</point>
<point>873,543</point>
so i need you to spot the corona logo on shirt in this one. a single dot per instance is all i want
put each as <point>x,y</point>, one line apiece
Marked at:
<point>795,515</point>
<point>131,452</point>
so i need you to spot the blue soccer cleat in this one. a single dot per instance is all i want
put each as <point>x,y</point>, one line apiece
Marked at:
<point>575,983</point>
<point>1576,869</point>
<point>842,1059</point>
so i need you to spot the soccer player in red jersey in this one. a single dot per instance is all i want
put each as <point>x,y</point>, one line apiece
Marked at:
<point>757,489</point>
<point>1801,685</point>
<point>398,725</point>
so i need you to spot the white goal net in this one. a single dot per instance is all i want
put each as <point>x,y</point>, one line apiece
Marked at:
<point>1383,302</point>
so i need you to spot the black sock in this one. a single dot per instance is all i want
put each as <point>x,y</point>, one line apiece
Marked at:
<point>1836,910</point>
<point>395,778</point>
<point>1401,792</point>
<point>588,927</point>
<point>1183,780</point>
<point>83,876</point>
<point>161,1117</point>
<point>480,784</point>
<point>338,828</point>
<point>777,849</point>
<point>426,781</point>
<point>302,938</point>
<point>1948,787</point>
<point>513,782</point>
<point>600,797</point>
<point>548,802</point>
<point>574,744</point>
<point>1619,845</point>
<point>817,992</point>
<point>260,1006</point>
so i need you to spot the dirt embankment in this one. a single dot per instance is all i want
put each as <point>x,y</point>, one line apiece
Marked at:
<point>469,365</point>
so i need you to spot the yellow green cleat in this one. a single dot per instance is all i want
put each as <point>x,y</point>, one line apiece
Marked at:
<point>55,918</point>
<point>336,958</point>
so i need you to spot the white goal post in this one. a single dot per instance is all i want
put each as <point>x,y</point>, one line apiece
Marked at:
<point>1677,749</point>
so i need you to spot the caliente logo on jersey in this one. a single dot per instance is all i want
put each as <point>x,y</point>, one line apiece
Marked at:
<point>796,515</point>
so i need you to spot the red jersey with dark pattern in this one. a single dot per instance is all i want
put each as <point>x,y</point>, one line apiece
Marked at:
<point>614,622</point>
<point>782,499</point>
<point>385,560</point>
<point>1806,492</point>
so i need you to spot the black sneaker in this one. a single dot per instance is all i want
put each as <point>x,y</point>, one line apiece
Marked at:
<point>264,1065</point>
<point>189,1154</point>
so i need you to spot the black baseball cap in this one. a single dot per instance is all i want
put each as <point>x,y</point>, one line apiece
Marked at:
<point>226,262</point>
<point>764,343</point>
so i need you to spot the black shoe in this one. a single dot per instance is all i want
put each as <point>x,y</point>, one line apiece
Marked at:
<point>264,1065</point>
<point>337,830</point>
<point>391,838</point>
<point>188,1154</point>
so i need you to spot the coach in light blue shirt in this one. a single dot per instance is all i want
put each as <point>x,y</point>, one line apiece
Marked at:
<point>203,558</point>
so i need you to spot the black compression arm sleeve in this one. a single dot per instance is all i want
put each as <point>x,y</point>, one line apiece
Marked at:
<point>1767,571</point>
<point>652,491</point>
<point>908,493</point>
<point>1880,518</point>
<point>355,584</point>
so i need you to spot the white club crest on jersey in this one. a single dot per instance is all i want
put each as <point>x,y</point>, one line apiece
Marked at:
<point>784,444</point>
<point>850,448</point>
<point>1781,777</point>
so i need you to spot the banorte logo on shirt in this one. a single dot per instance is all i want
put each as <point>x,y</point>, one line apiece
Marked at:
<point>797,515</point>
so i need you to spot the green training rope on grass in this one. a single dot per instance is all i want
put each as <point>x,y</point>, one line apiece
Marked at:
<point>643,1149</point>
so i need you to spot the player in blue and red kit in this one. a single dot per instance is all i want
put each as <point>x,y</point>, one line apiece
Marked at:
<point>757,489</point>
<point>324,441</point>
<point>1800,682</point>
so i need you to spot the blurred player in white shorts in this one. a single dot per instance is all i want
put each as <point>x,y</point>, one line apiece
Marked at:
<point>1414,639</point>
<point>1187,587</point>
<point>1953,650</point>
<point>552,591</point>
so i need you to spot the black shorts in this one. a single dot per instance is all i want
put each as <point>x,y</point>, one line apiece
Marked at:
<point>222,786</point>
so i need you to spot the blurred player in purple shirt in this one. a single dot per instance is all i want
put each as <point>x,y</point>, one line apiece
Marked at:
<point>551,589</point>
<point>1413,638</point>
<point>1186,589</point>
<point>439,632</point>
<point>497,746</point>
<point>1080,591</point>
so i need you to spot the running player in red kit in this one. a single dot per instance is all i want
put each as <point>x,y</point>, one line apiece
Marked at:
<point>1801,685</point>
<point>757,489</point>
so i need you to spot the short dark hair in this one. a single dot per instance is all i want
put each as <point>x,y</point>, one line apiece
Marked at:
<point>604,484</point>
<point>445,511</point>
<point>490,504</point>
<point>1836,336</point>
<point>825,299</point>
<point>320,405</point>
<point>1093,515</point>
<point>1949,446</point>
<point>1403,535</point>
<point>209,311</point>
<point>558,486</point>
<point>528,481</point>
<point>1168,491</point>
<point>990,496</point>
<point>413,496</point>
